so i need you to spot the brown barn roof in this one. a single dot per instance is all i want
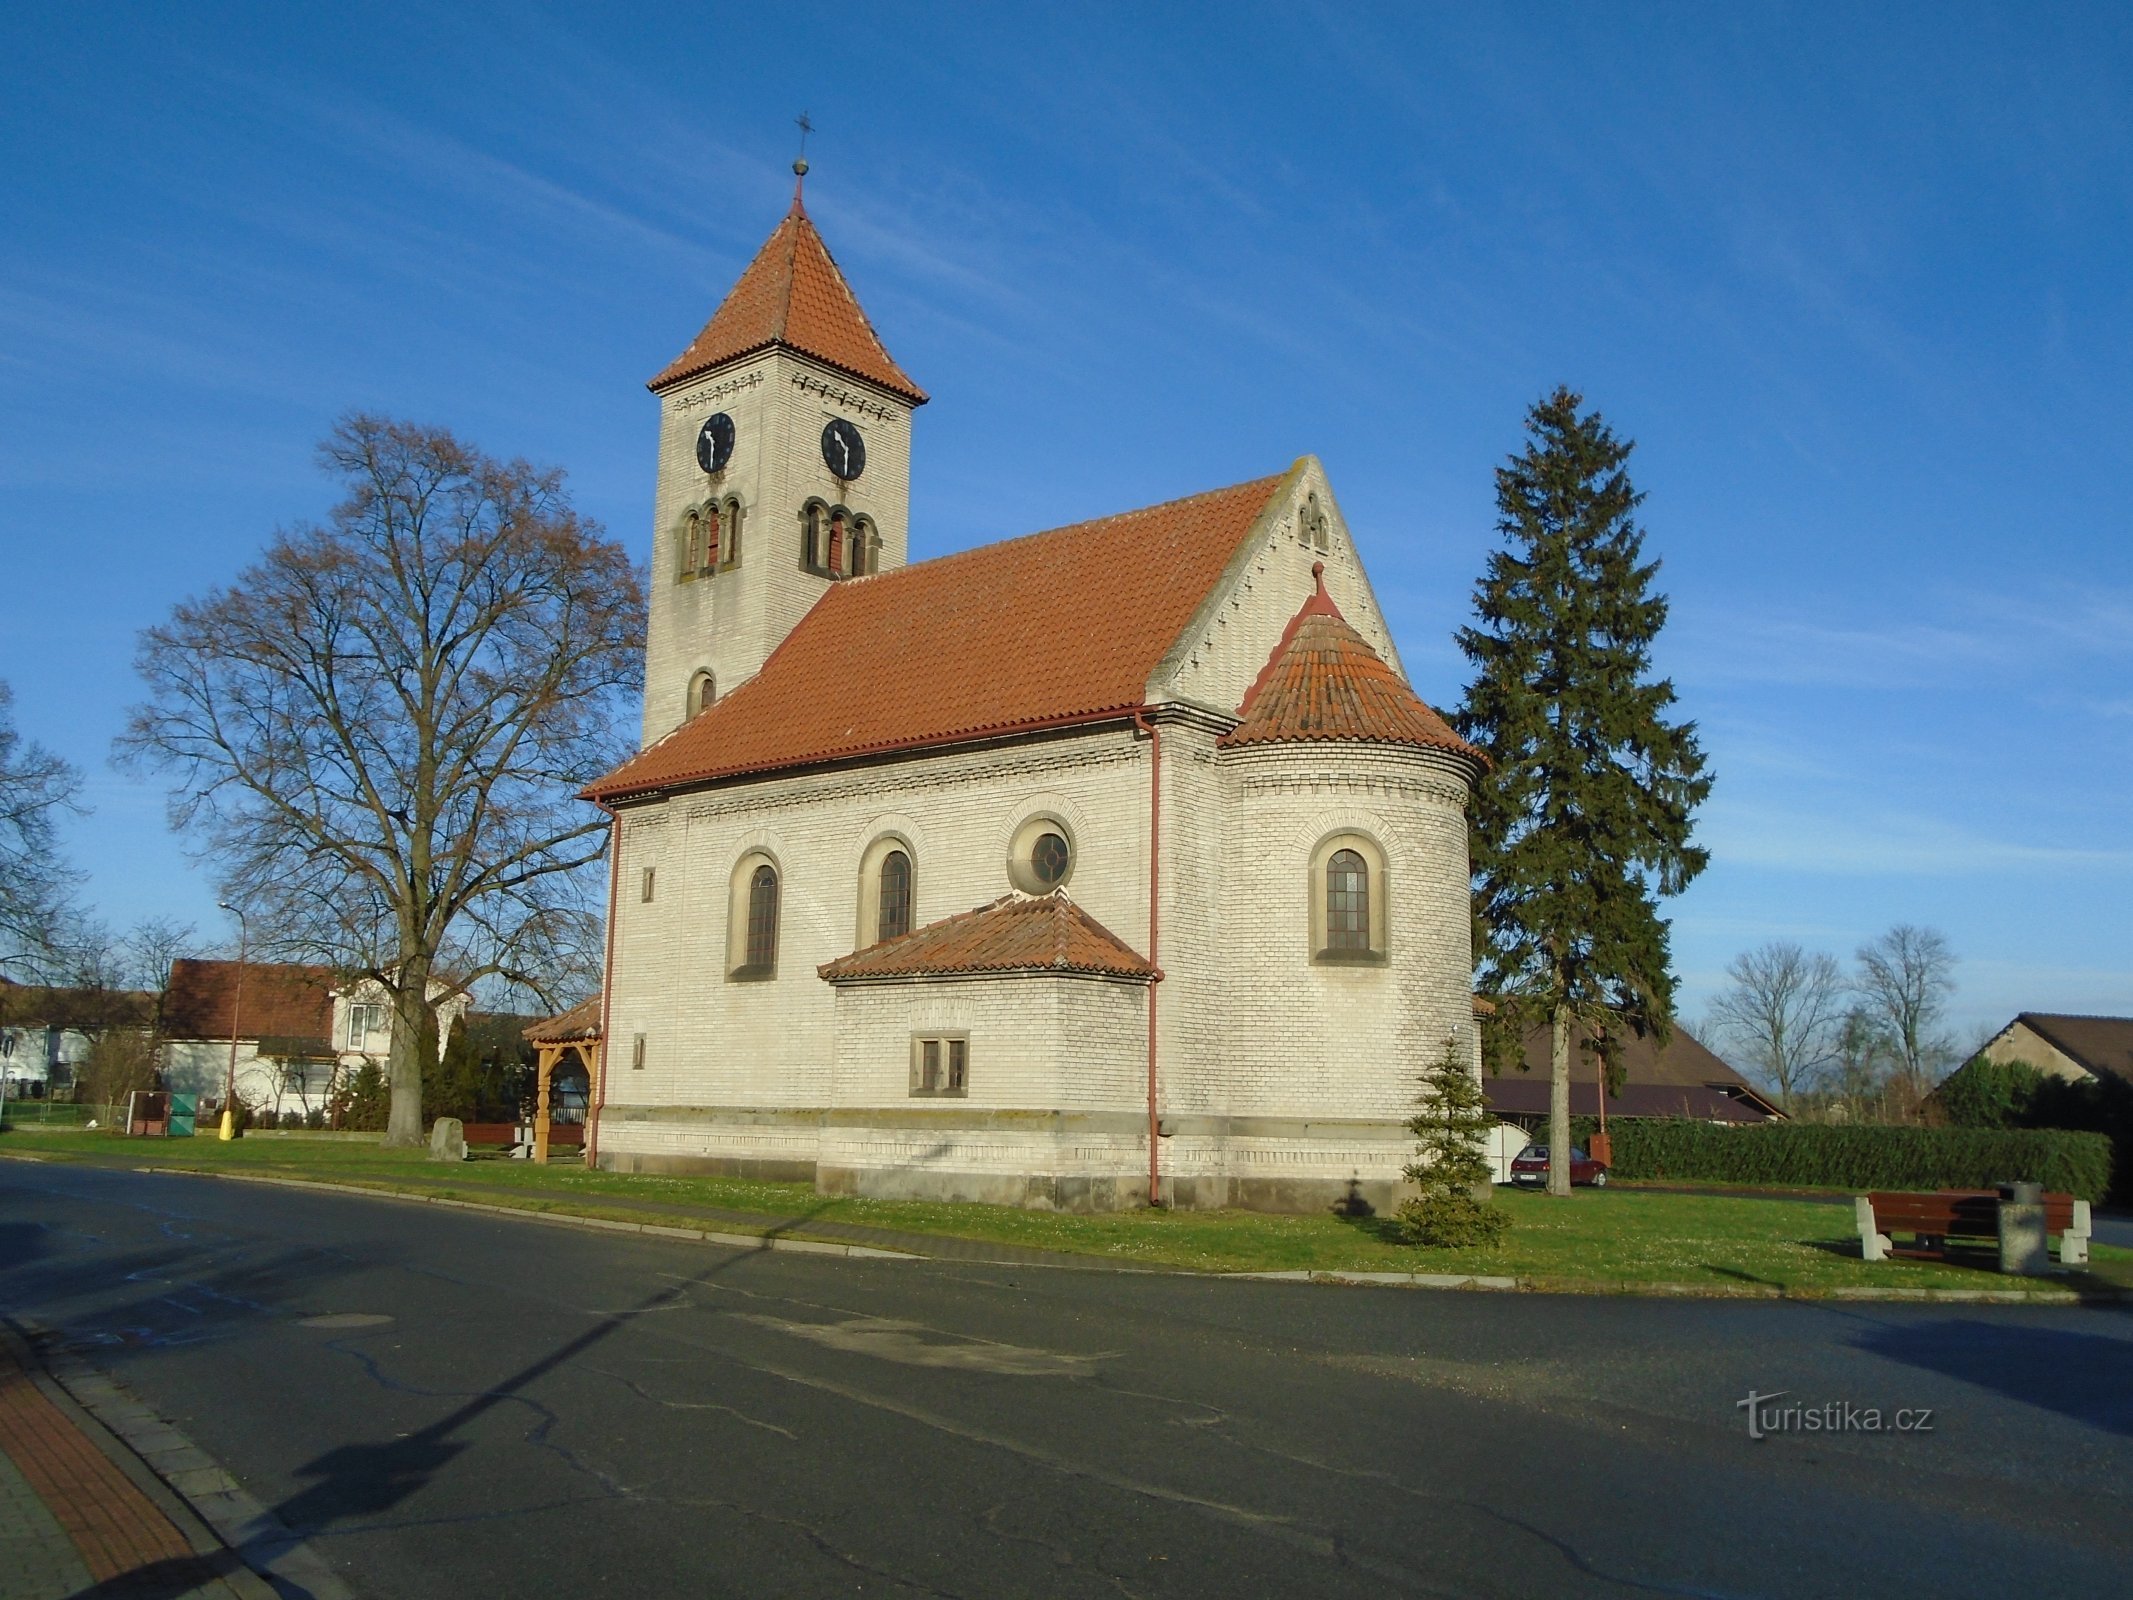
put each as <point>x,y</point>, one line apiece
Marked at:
<point>1047,629</point>
<point>1684,1073</point>
<point>1323,681</point>
<point>2104,1045</point>
<point>1016,933</point>
<point>281,1000</point>
<point>793,295</point>
<point>581,1021</point>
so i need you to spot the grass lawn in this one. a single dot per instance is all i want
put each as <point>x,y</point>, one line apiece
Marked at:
<point>1615,1237</point>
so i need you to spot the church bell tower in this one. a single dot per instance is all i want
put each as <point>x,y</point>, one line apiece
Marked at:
<point>784,467</point>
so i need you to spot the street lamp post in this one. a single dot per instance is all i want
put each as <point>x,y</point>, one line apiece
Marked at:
<point>229,1080</point>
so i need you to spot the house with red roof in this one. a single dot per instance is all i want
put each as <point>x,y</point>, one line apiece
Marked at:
<point>1114,862</point>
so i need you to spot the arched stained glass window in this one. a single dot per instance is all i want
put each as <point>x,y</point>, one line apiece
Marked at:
<point>763,918</point>
<point>1347,902</point>
<point>894,920</point>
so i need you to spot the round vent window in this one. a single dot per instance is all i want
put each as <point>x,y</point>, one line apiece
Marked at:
<point>1040,858</point>
<point>1048,859</point>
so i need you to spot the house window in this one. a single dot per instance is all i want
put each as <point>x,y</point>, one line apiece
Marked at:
<point>647,883</point>
<point>364,1021</point>
<point>895,918</point>
<point>1348,904</point>
<point>762,919</point>
<point>940,1065</point>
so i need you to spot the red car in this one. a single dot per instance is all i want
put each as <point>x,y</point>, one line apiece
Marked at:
<point>1531,1166</point>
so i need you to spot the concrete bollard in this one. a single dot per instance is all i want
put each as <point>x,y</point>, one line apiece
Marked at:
<point>2023,1249</point>
<point>448,1140</point>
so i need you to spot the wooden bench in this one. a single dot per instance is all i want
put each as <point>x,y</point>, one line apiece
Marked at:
<point>1932,1220</point>
<point>509,1135</point>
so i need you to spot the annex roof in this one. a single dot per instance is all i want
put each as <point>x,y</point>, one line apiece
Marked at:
<point>1323,681</point>
<point>793,295</point>
<point>581,1021</point>
<point>281,1000</point>
<point>1683,1074</point>
<point>1017,933</point>
<point>1033,632</point>
<point>2104,1045</point>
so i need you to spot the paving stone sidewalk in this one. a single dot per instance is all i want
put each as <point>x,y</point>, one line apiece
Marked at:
<point>75,1523</point>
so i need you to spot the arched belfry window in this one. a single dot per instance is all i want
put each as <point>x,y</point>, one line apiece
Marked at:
<point>688,546</point>
<point>763,918</point>
<point>729,554</point>
<point>703,690</point>
<point>894,920</point>
<point>814,535</point>
<point>713,527</point>
<point>864,545</point>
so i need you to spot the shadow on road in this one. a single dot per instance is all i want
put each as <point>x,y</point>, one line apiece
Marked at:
<point>2078,1375</point>
<point>367,1479</point>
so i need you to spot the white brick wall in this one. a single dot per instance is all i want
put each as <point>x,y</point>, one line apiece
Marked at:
<point>779,402</point>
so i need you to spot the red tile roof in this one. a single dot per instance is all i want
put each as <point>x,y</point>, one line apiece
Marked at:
<point>281,1000</point>
<point>1033,632</point>
<point>793,295</point>
<point>581,1021</point>
<point>1323,681</point>
<point>1016,933</point>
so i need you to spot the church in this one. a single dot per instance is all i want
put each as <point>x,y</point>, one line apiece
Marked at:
<point>1102,866</point>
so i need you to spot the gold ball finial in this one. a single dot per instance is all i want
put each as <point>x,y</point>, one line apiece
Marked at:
<point>799,168</point>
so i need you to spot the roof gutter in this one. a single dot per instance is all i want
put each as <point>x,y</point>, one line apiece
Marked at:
<point>601,794</point>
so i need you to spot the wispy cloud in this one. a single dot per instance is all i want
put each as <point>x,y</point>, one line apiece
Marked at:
<point>1864,845</point>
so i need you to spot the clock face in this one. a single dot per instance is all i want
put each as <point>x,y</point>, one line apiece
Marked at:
<point>714,443</point>
<point>843,451</point>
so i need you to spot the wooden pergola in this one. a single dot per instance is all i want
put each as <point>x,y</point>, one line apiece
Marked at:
<point>575,1032</point>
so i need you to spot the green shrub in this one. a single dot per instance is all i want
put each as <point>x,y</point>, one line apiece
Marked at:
<point>1984,1093</point>
<point>1453,1210</point>
<point>1859,1156</point>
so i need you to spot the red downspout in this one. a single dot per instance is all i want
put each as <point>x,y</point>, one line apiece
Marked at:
<point>607,988</point>
<point>1155,931</point>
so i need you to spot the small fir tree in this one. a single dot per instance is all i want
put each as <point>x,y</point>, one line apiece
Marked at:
<point>1586,820</point>
<point>1451,1162</point>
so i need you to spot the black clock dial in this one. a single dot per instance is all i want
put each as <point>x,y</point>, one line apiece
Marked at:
<point>714,443</point>
<point>843,451</point>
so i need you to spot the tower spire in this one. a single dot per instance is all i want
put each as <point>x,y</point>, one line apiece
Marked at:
<point>799,166</point>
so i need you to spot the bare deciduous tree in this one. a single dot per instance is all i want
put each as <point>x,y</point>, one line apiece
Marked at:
<point>35,787</point>
<point>377,732</point>
<point>1905,978</point>
<point>1784,1007</point>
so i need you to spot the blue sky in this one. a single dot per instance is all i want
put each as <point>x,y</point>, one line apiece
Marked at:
<point>1854,278</point>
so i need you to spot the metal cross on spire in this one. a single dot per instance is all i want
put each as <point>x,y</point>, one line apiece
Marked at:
<point>799,166</point>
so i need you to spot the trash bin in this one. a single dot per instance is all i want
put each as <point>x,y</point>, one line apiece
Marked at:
<point>2023,1249</point>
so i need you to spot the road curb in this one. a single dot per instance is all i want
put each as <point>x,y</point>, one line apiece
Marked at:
<point>1455,1281</point>
<point>201,1500</point>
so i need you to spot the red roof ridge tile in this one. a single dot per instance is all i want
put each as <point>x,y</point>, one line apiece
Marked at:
<point>793,294</point>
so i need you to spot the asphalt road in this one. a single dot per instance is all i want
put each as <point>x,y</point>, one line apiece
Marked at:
<point>449,1405</point>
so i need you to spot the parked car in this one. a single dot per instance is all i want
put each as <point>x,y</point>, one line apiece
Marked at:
<point>1530,1165</point>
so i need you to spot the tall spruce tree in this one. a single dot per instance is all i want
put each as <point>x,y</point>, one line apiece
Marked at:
<point>1585,823</point>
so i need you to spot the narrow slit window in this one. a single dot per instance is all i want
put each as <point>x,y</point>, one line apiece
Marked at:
<point>895,918</point>
<point>763,918</point>
<point>647,884</point>
<point>637,1053</point>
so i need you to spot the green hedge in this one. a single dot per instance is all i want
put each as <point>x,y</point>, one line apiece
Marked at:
<point>1858,1156</point>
